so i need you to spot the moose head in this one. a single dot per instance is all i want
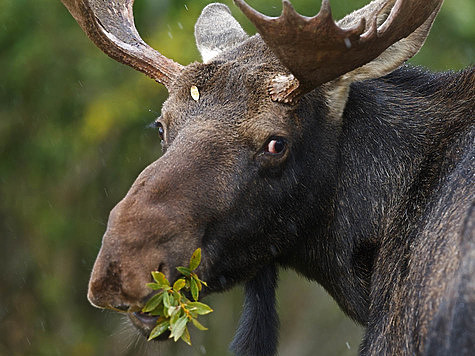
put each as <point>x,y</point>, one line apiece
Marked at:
<point>250,150</point>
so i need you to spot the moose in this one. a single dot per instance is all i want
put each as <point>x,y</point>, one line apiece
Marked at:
<point>312,146</point>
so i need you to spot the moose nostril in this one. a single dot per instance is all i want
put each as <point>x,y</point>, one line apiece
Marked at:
<point>160,268</point>
<point>122,307</point>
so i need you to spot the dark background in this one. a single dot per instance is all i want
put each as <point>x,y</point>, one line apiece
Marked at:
<point>73,138</point>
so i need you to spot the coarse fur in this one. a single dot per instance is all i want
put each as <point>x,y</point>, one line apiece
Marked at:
<point>373,200</point>
<point>258,329</point>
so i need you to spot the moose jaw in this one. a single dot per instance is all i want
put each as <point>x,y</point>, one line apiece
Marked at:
<point>311,146</point>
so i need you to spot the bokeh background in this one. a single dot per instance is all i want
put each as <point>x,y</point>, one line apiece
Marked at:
<point>73,137</point>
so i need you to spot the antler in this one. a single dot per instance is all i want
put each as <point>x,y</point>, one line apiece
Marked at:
<point>110,25</point>
<point>316,50</point>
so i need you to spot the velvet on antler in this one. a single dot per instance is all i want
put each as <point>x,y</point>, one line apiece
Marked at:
<point>110,25</point>
<point>317,50</point>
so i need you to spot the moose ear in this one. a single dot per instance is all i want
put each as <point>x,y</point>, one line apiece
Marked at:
<point>217,31</point>
<point>395,55</point>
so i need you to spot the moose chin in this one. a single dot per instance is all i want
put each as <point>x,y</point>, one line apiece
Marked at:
<point>310,146</point>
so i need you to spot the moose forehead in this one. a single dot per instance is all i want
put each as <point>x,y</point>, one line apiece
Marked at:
<point>233,96</point>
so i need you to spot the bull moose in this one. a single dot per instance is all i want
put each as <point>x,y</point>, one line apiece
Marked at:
<point>311,146</point>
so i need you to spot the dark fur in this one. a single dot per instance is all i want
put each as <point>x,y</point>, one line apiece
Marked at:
<point>401,164</point>
<point>257,334</point>
<point>403,196</point>
<point>378,223</point>
<point>376,206</point>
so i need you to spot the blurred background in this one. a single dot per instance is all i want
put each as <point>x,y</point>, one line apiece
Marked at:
<point>73,138</point>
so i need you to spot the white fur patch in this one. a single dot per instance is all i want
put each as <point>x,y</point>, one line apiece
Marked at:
<point>216,31</point>
<point>208,54</point>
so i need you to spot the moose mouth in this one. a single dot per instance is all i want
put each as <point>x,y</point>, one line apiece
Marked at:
<point>145,324</point>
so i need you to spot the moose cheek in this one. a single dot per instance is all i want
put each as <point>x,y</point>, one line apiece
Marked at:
<point>272,165</point>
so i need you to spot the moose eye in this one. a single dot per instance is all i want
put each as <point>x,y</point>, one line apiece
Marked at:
<point>276,146</point>
<point>161,131</point>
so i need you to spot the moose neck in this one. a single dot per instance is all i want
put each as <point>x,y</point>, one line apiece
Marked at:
<point>386,154</point>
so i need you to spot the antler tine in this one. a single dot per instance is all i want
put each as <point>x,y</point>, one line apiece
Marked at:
<point>294,39</point>
<point>255,16</point>
<point>405,17</point>
<point>110,25</point>
<point>325,8</point>
<point>316,50</point>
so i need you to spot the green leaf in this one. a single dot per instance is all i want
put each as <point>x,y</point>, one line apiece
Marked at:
<point>184,270</point>
<point>186,336</point>
<point>173,301</point>
<point>195,259</point>
<point>157,312</point>
<point>153,303</point>
<point>198,325</point>
<point>160,278</point>
<point>153,286</point>
<point>195,278</point>
<point>194,289</point>
<point>178,328</point>
<point>200,308</point>
<point>184,299</point>
<point>166,300</point>
<point>175,313</point>
<point>177,297</point>
<point>172,305</point>
<point>179,284</point>
<point>159,330</point>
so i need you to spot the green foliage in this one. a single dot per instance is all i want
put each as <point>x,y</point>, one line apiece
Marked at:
<point>172,306</point>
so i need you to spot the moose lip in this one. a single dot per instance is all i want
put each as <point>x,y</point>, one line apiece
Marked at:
<point>145,323</point>
<point>144,320</point>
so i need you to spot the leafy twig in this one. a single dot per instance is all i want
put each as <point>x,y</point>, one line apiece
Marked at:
<point>173,308</point>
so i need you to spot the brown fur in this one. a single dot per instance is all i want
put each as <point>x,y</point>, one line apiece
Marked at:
<point>372,198</point>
